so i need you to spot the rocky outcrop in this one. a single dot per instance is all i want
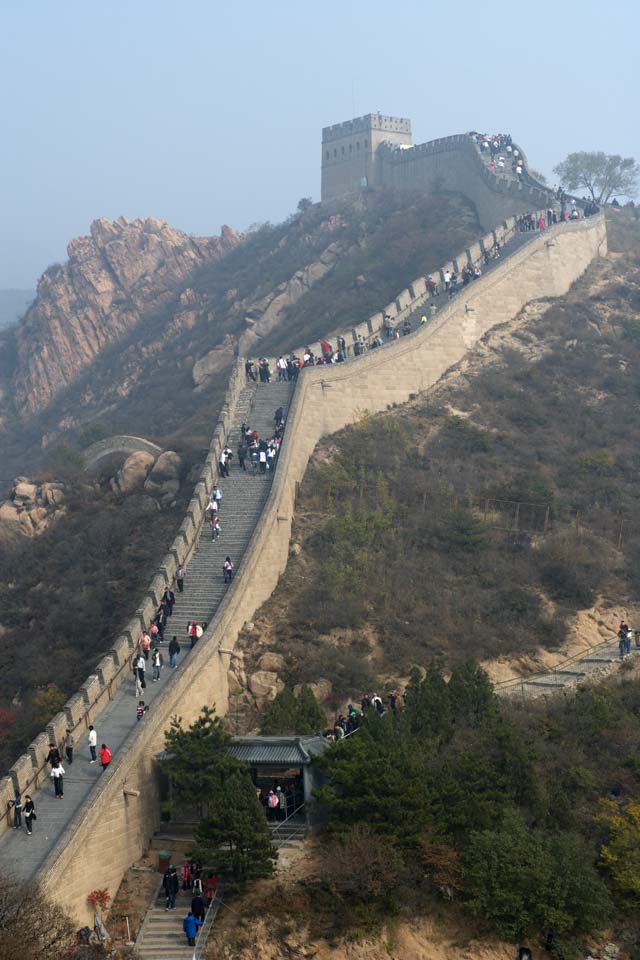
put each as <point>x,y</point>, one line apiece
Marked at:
<point>30,508</point>
<point>119,274</point>
<point>133,472</point>
<point>164,479</point>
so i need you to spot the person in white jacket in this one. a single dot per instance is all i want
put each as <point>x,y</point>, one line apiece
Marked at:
<point>57,774</point>
<point>93,743</point>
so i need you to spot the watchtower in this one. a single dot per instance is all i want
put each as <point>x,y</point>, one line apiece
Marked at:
<point>349,152</point>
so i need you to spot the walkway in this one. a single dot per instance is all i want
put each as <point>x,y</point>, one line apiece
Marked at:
<point>590,664</point>
<point>244,496</point>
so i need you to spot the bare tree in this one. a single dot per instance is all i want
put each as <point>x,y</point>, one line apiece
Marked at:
<point>31,927</point>
<point>603,175</point>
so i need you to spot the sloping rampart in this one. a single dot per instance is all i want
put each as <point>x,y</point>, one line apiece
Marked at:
<point>112,830</point>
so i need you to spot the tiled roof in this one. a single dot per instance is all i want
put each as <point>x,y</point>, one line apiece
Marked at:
<point>277,751</point>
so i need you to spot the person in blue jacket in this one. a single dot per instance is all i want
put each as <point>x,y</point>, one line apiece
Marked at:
<point>190,926</point>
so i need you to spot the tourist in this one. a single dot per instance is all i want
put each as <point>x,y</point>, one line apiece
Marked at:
<point>186,875</point>
<point>140,671</point>
<point>17,805</point>
<point>29,813</point>
<point>57,774</point>
<point>168,598</point>
<point>272,805</point>
<point>105,756</point>
<point>174,650</point>
<point>145,645</point>
<point>93,741</point>
<point>156,663</point>
<point>54,754</point>
<point>180,578</point>
<point>69,744</point>
<point>190,926</point>
<point>141,709</point>
<point>197,906</point>
<point>249,371</point>
<point>210,888</point>
<point>242,455</point>
<point>281,366</point>
<point>171,886</point>
<point>227,570</point>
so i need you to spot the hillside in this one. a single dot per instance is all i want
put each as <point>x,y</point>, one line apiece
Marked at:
<point>65,593</point>
<point>142,312</point>
<point>495,517</point>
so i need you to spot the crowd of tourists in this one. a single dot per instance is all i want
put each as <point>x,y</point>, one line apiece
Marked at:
<point>203,893</point>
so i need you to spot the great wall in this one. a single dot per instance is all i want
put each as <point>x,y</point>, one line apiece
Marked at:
<point>112,827</point>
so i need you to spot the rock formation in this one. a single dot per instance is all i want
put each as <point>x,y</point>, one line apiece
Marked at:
<point>120,273</point>
<point>30,508</point>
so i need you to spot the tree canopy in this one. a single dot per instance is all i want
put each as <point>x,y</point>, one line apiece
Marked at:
<point>288,714</point>
<point>603,175</point>
<point>232,835</point>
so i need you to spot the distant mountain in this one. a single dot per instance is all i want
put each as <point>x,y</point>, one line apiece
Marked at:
<point>13,304</point>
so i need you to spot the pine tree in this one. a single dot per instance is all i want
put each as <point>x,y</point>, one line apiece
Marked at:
<point>198,761</point>
<point>310,717</point>
<point>235,836</point>
<point>282,715</point>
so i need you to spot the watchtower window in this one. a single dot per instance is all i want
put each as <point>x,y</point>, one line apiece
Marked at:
<point>358,145</point>
<point>366,143</point>
<point>350,147</point>
<point>327,154</point>
<point>343,151</point>
<point>335,153</point>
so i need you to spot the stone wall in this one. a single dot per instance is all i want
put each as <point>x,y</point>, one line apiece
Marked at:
<point>115,827</point>
<point>453,163</point>
<point>84,707</point>
<point>416,294</point>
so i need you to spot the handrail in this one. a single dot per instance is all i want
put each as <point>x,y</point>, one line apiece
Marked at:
<point>207,926</point>
<point>576,658</point>
<point>286,819</point>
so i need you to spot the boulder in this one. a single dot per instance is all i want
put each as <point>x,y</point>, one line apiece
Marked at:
<point>265,685</point>
<point>168,466</point>
<point>322,689</point>
<point>167,489</point>
<point>133,472</point>
<point>233,684</point>
<point>25,492</point>
<point>271,661</point>
<point>52,494</point>
<point>9,520</point>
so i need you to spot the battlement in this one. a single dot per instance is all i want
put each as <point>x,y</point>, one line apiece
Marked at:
<point>370,122</point>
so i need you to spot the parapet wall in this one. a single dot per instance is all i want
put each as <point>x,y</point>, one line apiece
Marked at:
<point>416,294</point>
<point>453,163</point>
<point>84,707</point>
<point>113,829</point>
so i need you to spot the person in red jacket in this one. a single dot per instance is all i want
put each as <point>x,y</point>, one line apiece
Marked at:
<point>105,756</point>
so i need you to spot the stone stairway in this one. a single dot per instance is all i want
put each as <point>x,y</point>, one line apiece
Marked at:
<point>290,833</point>
<point>162,937</point>
<point>592,665</point>
<point>243,497</point>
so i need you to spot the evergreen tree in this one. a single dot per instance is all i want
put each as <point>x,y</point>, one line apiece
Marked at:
<point>281,716</point>
<point>235,836</point>
<point>288,715</point>
<point>232,833</point>
<point>198,761</point>
<point>310,717</point>
<point>471,693</point>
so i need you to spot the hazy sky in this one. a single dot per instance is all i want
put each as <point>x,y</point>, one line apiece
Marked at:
<point>205,113</point>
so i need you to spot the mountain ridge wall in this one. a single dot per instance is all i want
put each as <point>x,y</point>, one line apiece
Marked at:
<point>117,824</point>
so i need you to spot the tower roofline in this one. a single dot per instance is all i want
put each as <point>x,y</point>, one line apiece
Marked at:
<point>370,121</point>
